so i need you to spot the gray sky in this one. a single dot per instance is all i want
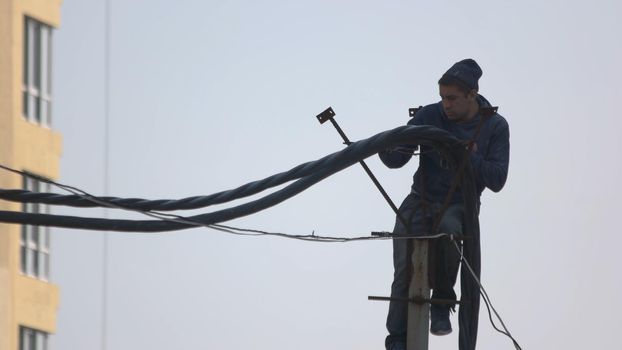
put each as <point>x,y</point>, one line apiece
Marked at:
<point>208,95</point>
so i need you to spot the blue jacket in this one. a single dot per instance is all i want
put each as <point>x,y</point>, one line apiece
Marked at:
<point>490,161</point>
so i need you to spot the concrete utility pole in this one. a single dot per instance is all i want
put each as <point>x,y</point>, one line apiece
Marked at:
<point>419,312</point>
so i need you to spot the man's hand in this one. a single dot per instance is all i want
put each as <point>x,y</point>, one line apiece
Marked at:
<point>473,147</point>
<point>470,145</point>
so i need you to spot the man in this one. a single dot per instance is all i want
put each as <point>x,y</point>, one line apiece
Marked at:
<point>460,113</point>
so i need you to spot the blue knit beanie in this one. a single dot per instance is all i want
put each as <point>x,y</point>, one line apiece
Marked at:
<point>467,71</point>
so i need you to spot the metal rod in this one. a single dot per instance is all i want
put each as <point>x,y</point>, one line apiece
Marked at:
<point>417,300</point>
<point>329,114</point>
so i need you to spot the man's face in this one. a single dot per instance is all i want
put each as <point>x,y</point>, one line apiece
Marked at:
<point>457,105</point>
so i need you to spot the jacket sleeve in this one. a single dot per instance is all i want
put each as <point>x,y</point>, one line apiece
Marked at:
<point>399,156</point>
<point>492,170</point>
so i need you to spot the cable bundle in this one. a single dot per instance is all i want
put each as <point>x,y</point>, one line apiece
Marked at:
<point>305,176</point>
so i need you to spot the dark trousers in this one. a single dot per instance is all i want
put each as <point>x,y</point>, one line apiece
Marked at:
<point>443,252</point>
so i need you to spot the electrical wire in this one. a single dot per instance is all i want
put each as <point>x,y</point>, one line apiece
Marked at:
<point>487,300</point>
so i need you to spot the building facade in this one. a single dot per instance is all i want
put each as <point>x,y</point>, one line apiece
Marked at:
<point>28,300</point>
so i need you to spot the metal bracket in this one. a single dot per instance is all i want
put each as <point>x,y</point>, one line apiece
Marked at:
<point>418,300</point>
<point>326,115</point>
<point>413,111</point>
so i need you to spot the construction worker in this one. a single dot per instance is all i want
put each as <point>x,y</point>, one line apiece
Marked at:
<point>458,112</point>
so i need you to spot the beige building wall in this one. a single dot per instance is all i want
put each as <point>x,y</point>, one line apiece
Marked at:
<point>24,301</point>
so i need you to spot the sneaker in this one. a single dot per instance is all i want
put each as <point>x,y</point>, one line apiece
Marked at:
<point>439,320</point>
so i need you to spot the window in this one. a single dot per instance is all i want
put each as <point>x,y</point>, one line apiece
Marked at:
<point>35,240</point>
<point>37,82</point>
<point>31,339</point>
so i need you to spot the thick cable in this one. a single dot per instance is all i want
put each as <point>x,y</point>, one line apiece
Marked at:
<point>420,134</point>
<point>313,172</point>
<point>237,230</point>
<point>486,298</point>
<point>225,228</point>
